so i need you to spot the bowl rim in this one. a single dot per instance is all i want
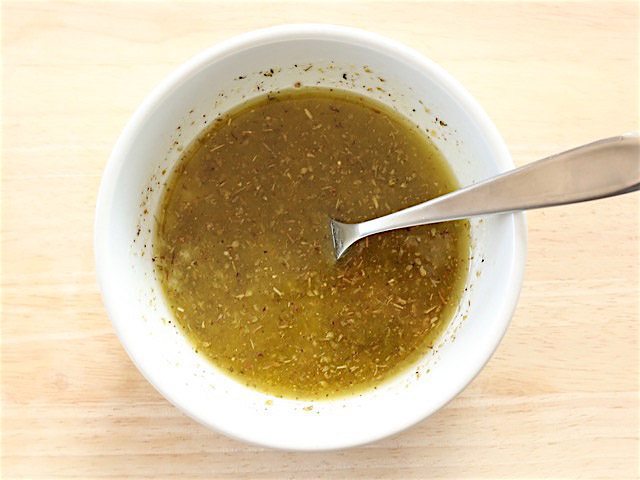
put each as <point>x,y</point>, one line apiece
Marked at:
<point>288,32</point>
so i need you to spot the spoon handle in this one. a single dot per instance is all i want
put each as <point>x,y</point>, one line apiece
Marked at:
<point>597,170</point>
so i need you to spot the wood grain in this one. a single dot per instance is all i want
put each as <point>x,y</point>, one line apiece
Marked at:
<point>559,399</point>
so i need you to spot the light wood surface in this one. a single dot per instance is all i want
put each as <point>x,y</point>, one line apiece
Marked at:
<point>558,399</point>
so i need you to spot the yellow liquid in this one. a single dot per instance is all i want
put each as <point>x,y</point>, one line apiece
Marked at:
<point>244,255</point>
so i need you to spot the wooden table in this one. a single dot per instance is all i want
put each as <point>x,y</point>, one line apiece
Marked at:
<point>559,398</point>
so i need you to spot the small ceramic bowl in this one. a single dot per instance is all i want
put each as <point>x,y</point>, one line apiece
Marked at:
<point>213,82</point>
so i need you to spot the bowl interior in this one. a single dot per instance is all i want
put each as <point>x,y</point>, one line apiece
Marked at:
<point>189,100</point>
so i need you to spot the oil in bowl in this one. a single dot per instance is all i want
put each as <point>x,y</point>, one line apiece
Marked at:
<point>243,251</point>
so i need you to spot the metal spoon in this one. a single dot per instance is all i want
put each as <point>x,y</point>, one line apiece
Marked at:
<point>597,170</point>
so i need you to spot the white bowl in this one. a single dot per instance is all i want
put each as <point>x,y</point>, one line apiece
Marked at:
<point>222,77</point>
